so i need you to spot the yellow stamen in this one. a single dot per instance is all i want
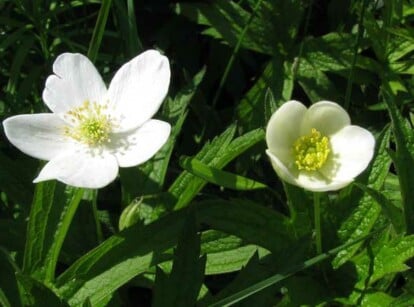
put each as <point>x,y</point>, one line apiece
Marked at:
<point>311,151</point>
<point>91,124</point>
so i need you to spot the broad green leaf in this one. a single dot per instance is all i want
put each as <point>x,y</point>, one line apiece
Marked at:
<point>394,214</point>
<point>38,294</point>
<point>224,253</point>
<point>219,177</point>
<point>182,286</point>
<point>251,222</point>
<point>131,252</point>
<point>316,83</point>
<point>390,258</point>
<point>118,259</point>
<point>281,275</point>
<point>186,186</point>
<point>377,299</point>
<point>367,211</point>
<point>51,214</point>
<point>403,159</point>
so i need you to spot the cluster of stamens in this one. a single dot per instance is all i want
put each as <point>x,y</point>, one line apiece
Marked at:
<point>311,151</point>
<point>90,124</point>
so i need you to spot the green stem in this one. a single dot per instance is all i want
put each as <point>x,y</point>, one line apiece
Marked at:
<point>99,234</point>
<point>317,221</point>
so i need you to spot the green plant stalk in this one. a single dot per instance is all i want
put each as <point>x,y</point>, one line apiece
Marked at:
<point>317,221</point>
<point>99,30</point>
<point>233,55</point>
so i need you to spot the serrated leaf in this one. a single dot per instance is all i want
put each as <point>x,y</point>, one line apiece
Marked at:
<point>403,159</point>
<point>390,211</point>
<point>51,213</point>
<point>219,177</point>
<point>364,216</point>
<point>390,258</point>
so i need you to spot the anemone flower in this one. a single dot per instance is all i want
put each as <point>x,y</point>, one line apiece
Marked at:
<point>94,130</point>
<point>317,148</point>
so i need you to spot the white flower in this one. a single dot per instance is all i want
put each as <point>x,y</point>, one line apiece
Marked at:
<point>317,148</point>
<point>92,129</point>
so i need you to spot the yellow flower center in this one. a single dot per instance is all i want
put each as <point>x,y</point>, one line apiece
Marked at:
<point>91,124</point>
<point>311,151</point>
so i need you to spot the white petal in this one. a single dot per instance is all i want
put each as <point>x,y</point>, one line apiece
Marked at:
<point>75,81</point>
<point>139,145</point>
<point>37,135</point>
<point>352,149</point>
<point>312,181</point>
<point>81,169</point>
<point>326,117</point>
<point>283,129</point>
<point>138,88</point>
<point>281,169</point>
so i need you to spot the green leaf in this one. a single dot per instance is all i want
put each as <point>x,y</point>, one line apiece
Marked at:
<point>186,186</point>
<point>52,211</point>
<point>182,286</point>
<point>219,177</point>
<point>99,30</point>
<point>38,293</point>
<point>282,275</point>
<point>390,258</point>
<point>253,223</point>
<point>364,216</point>
<point>403,158</point>
<point>118,259</point>
<point>394,214</point>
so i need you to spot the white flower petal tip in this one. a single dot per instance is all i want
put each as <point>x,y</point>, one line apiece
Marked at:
<point>94,131</point>
<point>317,148</point>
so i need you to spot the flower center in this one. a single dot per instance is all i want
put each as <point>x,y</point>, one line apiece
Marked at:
<point>311,151</point>
<point>91,124</point>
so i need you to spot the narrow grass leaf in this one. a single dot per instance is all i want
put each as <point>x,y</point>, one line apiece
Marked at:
<point>219,177</point>
<point>99,30</point>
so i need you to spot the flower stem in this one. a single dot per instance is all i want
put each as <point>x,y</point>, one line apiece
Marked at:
<point>95,216</point>
<point>317,222</point>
